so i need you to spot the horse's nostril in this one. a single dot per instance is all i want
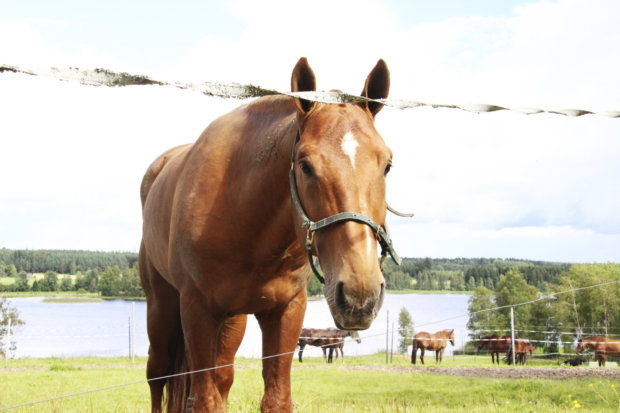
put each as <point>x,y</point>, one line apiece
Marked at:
<point>340,300</point>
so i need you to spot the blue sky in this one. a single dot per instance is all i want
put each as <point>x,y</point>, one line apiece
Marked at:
<point>482,185</point>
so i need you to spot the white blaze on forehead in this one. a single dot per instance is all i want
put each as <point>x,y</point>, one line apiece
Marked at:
<point>349,146</point>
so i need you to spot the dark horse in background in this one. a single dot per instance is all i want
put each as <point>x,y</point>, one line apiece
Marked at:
<point>434,342</point>
<point>225,225</point>
<point>495,344</point>
<point>331,339</point>
<point>602,347</point>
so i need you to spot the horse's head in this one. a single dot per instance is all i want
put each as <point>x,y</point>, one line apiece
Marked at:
<point>580,346</point>
<point>355,335</point>
<point>452,337</point>
<point>340,164</point>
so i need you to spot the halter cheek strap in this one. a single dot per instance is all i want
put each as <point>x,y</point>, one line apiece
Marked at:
<point>381,232</point>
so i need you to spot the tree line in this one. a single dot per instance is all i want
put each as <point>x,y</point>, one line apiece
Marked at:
<point>465,274</point>
<point>111,282</point>
<point>61,261</point>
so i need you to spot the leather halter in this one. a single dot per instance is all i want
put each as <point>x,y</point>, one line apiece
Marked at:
<point>381,232</point>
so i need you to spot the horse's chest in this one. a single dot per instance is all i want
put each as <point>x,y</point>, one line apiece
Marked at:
<point>258,293</point>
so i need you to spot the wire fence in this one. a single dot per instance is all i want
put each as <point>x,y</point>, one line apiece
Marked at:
<point>389,349</point>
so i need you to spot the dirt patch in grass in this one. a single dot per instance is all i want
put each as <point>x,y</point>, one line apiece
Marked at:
<point>549,373</point>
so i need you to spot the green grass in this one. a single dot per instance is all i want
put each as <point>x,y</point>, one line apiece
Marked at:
<point>7,280</point>
<point>316,387</point>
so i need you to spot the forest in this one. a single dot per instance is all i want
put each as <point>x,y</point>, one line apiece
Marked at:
<point>63,261</point>
<point>465,274</point>
<point>116,273</point>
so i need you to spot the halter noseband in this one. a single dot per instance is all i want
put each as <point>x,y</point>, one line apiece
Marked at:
<point>381,232</point>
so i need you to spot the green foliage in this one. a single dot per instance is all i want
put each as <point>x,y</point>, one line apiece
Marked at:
<point>63,261</point>
<point>480,320</point>
<point>10,270</point>
<point>397,280</point>
<point>465,274</point>
<point>591,311</point>
<point>405,329</point>
<point>110,282</point>
<point>22,282</point>
<point>587,311</point>
<point>7,312</point>
<point>511,289</point>
<point>314,286</point>
<point>50,282</point>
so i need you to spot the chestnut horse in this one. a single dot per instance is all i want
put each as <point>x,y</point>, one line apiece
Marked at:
<point>522,349</point>
<point>331,339</point>
<point>228,231</point>
<point>602,346</point>
<point>495,344</point>
<point>434,342</point>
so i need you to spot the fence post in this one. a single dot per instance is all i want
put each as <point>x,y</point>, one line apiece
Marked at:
<point>392,344</point>
<point>512,332</point>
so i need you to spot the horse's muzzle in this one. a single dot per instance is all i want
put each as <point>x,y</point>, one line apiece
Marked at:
<point>352,310</point>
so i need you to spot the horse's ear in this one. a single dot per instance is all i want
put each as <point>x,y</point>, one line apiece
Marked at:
<point>303,80</point>
<point>377,86</point>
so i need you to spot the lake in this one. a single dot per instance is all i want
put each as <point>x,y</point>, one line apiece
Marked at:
<point>102,328</point>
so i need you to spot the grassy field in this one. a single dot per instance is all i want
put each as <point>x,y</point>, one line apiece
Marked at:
<point>317,387</point>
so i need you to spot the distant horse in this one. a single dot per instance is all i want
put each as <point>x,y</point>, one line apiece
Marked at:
<point>232,222</point>
<point>331,339</point>
<point>522,349</point>
<point>495,344</point>
<point>602,346</point>
<point>434,342</point>
<point>339,345</point>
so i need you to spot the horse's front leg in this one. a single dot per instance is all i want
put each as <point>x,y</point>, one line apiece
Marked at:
<point>422,355</point>
<point>202,333</point>
<point>231,336</point>
<point>281,329</point>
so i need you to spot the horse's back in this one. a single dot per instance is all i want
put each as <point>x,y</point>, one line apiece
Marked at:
<point>197,192</point>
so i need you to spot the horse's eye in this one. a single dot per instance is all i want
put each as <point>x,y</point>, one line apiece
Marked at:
<point>388,167</point>
<point>306,169</point>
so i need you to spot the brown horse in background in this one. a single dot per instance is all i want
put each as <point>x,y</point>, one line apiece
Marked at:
<point>434,342</point>
<point>331,339</point>
<point>495,344</point>
<point>226,225</point>
<point>522,349</point>
<point>602,346</point>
